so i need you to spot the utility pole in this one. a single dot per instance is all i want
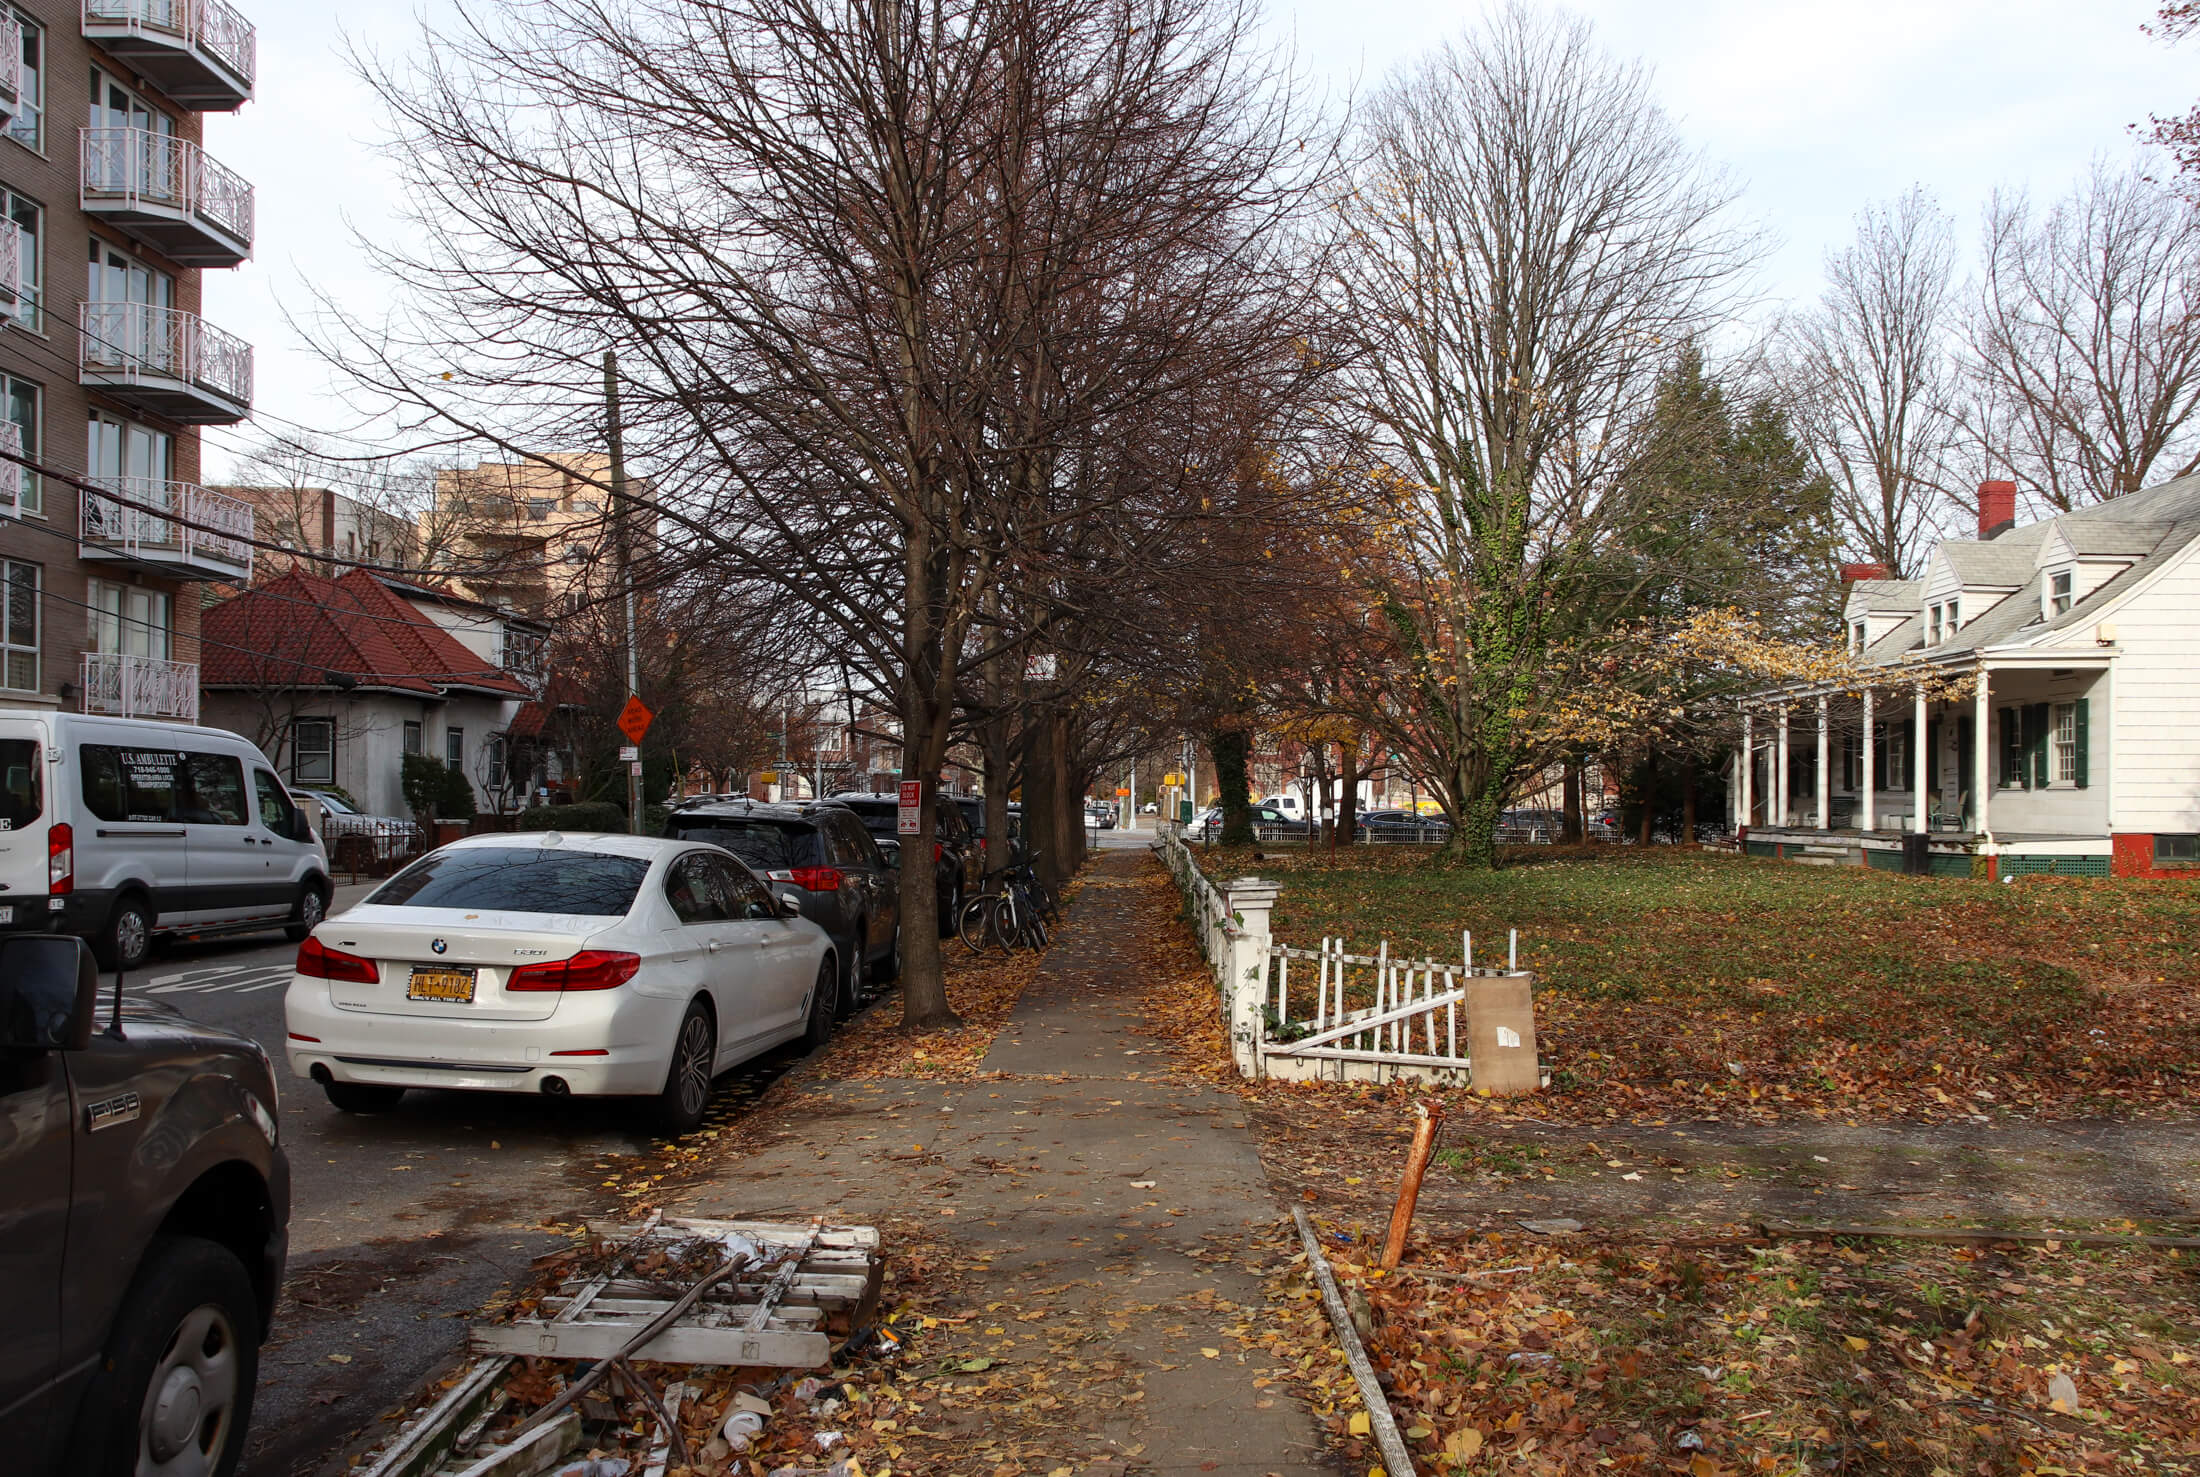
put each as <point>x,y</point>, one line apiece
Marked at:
<point>622,541</point>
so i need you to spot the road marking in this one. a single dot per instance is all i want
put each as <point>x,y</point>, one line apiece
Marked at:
<point>241,979</point>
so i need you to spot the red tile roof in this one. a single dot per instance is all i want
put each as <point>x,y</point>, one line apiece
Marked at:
<point>298,630</point>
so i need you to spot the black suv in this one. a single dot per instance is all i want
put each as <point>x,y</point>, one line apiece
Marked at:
<point>973,809</point>
<point>142,1228</point>
<point>955,853</point>
<point>819,855</point>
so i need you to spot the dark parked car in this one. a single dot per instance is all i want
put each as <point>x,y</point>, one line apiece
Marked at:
<point>1403,825</point>
<point>973,809</point>
<point>954,854</point>
<point>1269,824</point>
<point>819,855</point>
<point>142,1228</point>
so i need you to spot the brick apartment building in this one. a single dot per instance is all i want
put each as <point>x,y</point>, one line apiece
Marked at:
<point>107,369</point>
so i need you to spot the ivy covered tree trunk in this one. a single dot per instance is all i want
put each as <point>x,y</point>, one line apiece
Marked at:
<point>1230,748</point>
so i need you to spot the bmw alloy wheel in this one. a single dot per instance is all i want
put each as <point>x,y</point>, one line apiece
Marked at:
<point>691,1064</point>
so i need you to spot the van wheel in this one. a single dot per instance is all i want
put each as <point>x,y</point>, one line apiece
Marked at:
<point>125,941</point>
<point>362,1097</point>
<point>311,908</point>
<point>848,992</point>
<point>174,1392</point>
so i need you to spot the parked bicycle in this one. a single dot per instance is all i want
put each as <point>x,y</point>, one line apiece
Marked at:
<point>1011,913</point>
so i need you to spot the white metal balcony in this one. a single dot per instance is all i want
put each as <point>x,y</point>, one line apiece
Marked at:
<point>11,67</point>
<point>166,361</point>
<point>166,192</point>
<point>202,53</point>
<point>176,529</point>
<point>11,273</point>
<point>124,686</point>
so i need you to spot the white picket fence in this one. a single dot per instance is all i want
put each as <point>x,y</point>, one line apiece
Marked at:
<point>1361,1017</point>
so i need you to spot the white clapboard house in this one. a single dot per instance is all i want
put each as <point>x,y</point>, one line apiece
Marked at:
<point>2078,751</point>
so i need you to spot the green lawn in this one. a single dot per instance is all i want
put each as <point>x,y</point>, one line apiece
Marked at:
<point>1669,972</point>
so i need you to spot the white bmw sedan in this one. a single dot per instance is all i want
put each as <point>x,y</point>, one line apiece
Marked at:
<point>590,965</point>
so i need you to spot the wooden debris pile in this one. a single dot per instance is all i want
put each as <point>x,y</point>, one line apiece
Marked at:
<point>671,1347</point>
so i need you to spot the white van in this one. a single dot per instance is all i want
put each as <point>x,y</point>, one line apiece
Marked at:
<point>120,830</point>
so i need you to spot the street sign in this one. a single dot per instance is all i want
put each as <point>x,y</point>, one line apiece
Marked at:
<point>634,719</point>
<point>629,753</point>
<point>909,814</point>
<point>1120,792</point>
<point>634,767</point>
<point>1172,778</point>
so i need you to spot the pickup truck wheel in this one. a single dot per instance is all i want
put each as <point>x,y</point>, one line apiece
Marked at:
<point>173,1392</point>
<point>125,940</point>
<point>362,1097</point>
<point>310,909</point>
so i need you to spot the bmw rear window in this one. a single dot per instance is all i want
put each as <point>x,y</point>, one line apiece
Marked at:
<point>518,880</point>
<point>762,844</point>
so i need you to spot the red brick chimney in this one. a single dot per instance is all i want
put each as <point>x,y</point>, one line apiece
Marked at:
<point>1851,573</point>
<point>1997,508</point>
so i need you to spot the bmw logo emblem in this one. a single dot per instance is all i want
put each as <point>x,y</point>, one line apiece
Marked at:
<point>439,946</point>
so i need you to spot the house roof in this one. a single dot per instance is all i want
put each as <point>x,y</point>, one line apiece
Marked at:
<point>2151,528</point>
<point>534,714</point>
<point>305,631</point>
<point>444,593</point>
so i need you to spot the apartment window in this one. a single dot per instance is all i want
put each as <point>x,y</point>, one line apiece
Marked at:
<point>30,230</point>
<point>313,751</point>
<point>412,736</point>
<point>128,620</point>
<point>523,652</point>
<point>2066,743</point>
<point>495,759</point>
<point>2177,851</point>
<point>2058,593</point>
<point>539,508</point>
<point>19,625</point>
<point>24,408</point>
<point>28,126</point>
<point>454,747</point>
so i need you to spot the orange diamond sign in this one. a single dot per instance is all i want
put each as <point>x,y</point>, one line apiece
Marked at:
<point>634,719</point>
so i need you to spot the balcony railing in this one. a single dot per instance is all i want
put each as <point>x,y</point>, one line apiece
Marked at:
<point>178,528</point>
<point>139,686</point>
<point>11,65</point>
<point>11,271</point>
<point>11,473</point>
<point>166,191</point>
<point>202,53</point>
<point>165,360</point>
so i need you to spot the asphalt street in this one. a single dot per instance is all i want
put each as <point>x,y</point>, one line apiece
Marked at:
<point>402,1223</point>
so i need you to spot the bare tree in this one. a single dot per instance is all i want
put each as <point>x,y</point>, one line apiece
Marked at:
<point>2085,340</point>
<point>886,280</point>
<point>1873,376</point>
<point>309,497</point>
<point>1527,241</point>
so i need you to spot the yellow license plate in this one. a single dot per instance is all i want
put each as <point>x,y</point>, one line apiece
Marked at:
<point>442,984</point>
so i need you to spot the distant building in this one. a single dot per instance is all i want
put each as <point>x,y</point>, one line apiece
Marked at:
<point>537,535</point>
<point>324,531</point>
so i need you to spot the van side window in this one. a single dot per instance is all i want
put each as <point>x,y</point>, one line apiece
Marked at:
<point>274,804</point>
<point>129,784</point>
<point>217,790</point>
<point>22,787</point>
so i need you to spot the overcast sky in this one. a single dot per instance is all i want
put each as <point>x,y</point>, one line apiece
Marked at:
<point>1815,108</point>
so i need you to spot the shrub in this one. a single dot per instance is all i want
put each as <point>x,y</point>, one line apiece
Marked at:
<point>423,780</point>
<point>588,815</point>
<point>456,802</point>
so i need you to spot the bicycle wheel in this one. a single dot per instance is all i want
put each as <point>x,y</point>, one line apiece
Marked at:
<point>1006,926</point>
<point>975,924</point>
<point>1035,930</point>
<point>1045,903</point>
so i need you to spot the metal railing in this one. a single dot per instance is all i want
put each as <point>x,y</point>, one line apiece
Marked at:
<point>136,166</point>
<point>11,270</point>
<point>178,520</point>
<point>11,63</point>
<point>139,339</point>
<point>11,473</point>
<point>213,27</point>
<point>139,686</point>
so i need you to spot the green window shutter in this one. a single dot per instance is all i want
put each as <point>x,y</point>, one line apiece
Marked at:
<point>2083,741</point>
<point>2012,747</point>
<point>2040,722</point>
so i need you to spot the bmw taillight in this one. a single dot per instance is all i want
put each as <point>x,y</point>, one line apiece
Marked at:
<point>60,859</point>
<point>816,879</point>
<point>318,961</point>
<point>590,969</point>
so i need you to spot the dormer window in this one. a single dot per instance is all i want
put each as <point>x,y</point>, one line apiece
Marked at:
<point>1934,638</point>
<point>2058,593</point>
<point>1856,636</point>
<point>1955,617</point>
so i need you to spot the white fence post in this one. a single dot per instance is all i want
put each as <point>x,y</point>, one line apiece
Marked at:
<point>1245,971</point>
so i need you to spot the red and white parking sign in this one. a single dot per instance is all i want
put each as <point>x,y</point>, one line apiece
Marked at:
<point>909,816</point>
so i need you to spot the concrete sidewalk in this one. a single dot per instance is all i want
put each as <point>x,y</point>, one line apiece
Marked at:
<point>1120,1216</point>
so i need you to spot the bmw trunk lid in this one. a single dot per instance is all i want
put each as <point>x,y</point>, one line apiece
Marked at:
<point>418,951</point>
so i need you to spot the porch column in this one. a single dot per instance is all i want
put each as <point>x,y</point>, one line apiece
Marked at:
<point>1745,813</point>
<point>1825,772</point>
<point>1866,815</point>
<point>1777,813</point>
<point>1982,779</point>
<point>1921,813</point>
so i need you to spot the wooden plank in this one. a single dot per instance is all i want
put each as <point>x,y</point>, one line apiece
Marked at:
<point>832,1289</point>
<point>762,1312</point>
<point>1370,1021</point>
<point>1346,1054</point>
<point>536,1452</point>
<point>430,1436</point>
<point>767,1234</point>
<point>733,1315</point>
<point>1392,1445</point>
<point>680,1344</point>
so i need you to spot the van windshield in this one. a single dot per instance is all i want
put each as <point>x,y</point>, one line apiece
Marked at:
<point>518,880</point>
<point>22,786</point>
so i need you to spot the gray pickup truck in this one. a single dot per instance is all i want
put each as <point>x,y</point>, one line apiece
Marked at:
<point>144,1216</point>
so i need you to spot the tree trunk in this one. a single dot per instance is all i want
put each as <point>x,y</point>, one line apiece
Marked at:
<point>994,738</point>
<point>1230,747</point>
<point>923,990</point>
<point>1042,798</point>
<point>1069,804</point>
<point>1348,798</point>
<point>1688,802</point>
<point>1480,797</point>
<point>1649,791</point>
<point>1570,829</point>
